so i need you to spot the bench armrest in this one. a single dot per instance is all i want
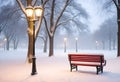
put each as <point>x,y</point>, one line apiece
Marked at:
<point>105,62</point>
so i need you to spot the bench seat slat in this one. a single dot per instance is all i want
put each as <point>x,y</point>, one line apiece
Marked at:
<point>87,63</point>
<point>87,60</point>
<point>94,65</point>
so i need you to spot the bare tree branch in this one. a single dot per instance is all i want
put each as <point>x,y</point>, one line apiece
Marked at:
<point>34,2</point>
<point>52,14</point>
<point>21,7</point>
<point>46,26</point>
<point>8,16</point>
<point>40,20</point>
<point>43,3</point>
<point>117,5</point>
<point>67,20</point>
<point>66,4</point>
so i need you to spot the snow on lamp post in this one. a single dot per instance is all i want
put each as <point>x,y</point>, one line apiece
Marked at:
<point>33,12</point>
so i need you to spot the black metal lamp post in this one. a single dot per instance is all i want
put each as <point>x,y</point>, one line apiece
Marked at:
<point>32,13</point>
<point>34,71</point>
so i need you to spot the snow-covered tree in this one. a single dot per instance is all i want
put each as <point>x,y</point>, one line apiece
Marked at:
<point>62,13</point>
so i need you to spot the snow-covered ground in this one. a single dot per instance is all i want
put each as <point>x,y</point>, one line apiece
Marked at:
<point>13,67</point>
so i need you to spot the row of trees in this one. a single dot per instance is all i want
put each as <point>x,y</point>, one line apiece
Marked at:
<point>107,33</point>
<point>107,4</point>
<point>117,4</point>
<point>9,17</point>
<point>57,13</point>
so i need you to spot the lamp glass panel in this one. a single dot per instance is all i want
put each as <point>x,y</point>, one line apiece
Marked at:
<point>29,12</point>
<point>38,12</point>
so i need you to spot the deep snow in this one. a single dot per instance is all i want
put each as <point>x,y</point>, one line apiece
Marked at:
<point>13,67</point>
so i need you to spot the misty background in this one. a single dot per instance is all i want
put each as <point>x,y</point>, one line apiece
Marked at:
<point>95,27</point>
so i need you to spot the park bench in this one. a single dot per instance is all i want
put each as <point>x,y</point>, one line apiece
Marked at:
<point>94,60</point>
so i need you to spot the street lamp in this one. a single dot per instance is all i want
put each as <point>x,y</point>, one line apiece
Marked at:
<point>76,39</point>
<point>31,13</point>
<point>97,44</point>
<point>65,41</point>
<point>5,39</point>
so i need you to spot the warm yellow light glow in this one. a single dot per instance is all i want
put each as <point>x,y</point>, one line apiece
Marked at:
<point>29,11</point>
<point>38,11</point>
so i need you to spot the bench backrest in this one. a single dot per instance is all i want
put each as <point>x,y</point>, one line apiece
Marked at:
<point>86,57</point>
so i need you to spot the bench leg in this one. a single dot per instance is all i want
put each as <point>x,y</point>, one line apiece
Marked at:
<point>76,68</point>
<point>73,67</point>
<point>99,69</point>
<point>102,69</point>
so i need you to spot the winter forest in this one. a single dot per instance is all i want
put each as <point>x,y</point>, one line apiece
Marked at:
<point>63,27</point>
<point>93,23</point>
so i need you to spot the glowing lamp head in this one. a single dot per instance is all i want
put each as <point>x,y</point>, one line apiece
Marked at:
<point>29,11</point>
<point>38,11</point>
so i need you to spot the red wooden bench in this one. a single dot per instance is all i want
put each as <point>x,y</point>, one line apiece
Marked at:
<point>94,60</point>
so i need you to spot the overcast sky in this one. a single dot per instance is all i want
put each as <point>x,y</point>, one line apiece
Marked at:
<point>5,2</point>
<point>96,14</point>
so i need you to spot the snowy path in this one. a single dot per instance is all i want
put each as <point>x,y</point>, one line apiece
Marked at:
<point>55,69</point>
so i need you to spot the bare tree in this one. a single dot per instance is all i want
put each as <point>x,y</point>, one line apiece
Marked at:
<point>9,37</point>
<point>30,25</point>
<point>108,3</point>
<point>117,4</point>
<point>107,33</point>
<point>57,15</point>
<point>7,23</point>
<point>15,42</point>
<point>5,16</point>
<point>44,37</point>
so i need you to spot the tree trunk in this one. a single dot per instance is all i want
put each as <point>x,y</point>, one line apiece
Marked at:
<point>45,44</point>
<point>103,45</point>
<point>109,44</point>
<point>15,44</point>
<point>30,42</point>
<point>7,45</point>
<point>114,44</point>
<point>51,47</point>
<point>118,18</point>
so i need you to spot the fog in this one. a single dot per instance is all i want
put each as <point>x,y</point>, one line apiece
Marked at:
<point>91,37</point>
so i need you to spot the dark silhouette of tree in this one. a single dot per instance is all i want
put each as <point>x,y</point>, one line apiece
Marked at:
<point>107,4</point>
<point>107,33</point>
<point>9,18</point>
